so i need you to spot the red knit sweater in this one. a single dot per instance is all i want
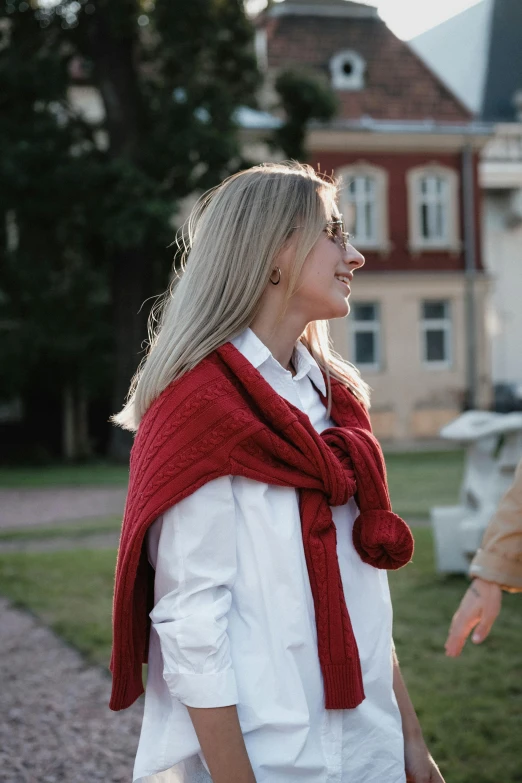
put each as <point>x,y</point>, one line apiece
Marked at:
<point>223,418</point>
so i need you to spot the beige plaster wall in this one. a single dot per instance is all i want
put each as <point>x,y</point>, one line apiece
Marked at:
<point>410,399</point>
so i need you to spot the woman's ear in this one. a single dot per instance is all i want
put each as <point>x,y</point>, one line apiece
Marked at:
<point>286,255</point>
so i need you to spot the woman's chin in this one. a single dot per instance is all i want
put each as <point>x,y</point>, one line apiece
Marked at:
<point>337,307</point>
<point>342,308</point>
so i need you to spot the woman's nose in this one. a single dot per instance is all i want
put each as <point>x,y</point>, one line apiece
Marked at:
<point>353,257</point>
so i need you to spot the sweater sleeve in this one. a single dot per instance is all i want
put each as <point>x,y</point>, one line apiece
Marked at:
<point>500,557</point>
<point>193,549</point>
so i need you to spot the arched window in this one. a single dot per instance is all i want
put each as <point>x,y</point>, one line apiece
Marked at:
<point>364,203</point>
<point>347,69</point>
<point>433,208</point>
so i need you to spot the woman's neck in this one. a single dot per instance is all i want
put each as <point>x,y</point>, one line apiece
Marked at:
<point>280,341</point>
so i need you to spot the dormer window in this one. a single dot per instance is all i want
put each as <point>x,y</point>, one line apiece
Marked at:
<point>347,69</point>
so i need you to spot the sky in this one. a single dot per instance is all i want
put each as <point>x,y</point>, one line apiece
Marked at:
<point>408,18</point>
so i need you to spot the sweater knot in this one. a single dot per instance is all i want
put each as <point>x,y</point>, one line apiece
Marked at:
<point>382,539</point>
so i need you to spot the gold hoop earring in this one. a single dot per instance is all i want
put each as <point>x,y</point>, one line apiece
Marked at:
<point>275,282</point>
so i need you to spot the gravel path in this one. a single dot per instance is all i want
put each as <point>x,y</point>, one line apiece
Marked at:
<point>29,507</point>
<point>55,724</point>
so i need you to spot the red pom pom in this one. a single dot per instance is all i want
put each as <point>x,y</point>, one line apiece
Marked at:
<point>382,539</point>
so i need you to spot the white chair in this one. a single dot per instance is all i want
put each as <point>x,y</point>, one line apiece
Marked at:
<point>493,444</point>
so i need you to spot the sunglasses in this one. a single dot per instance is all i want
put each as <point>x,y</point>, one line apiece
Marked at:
<point>335,230</point>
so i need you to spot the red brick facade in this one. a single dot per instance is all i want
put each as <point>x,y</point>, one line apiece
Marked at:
<point>398,85</point>
<point>397,165</point>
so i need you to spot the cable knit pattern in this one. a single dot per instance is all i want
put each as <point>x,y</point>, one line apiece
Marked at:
<point>223,418</point>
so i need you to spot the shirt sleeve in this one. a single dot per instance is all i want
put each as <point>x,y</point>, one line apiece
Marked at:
<point>193,549</point>
<point>500,557</point>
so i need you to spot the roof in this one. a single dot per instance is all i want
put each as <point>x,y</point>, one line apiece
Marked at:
<point>457,50</point>
<point>504,74</point>
<point>333,8</point>
<point>478,54</point>
<point>397,83</point>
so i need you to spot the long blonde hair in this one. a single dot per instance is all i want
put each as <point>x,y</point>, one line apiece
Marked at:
<point>233,237</point>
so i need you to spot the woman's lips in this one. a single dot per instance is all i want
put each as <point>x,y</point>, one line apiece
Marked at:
<point>344,285</point>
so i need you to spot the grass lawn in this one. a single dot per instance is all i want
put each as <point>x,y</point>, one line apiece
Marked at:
<point>71,591</point>
<point>470,708</point>
<point>418,481</point>
<point>77,529</point>
<point>97,473</point>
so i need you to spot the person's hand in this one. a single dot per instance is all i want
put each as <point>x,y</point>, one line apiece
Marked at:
<point>479,607</point>
<point>420,767</point>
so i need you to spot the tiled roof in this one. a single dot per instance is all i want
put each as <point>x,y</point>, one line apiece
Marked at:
<point>338,8</point>
<point>398,85</point>
<point>322,3</point>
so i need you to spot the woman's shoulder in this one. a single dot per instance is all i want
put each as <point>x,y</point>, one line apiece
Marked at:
<point>206,392</point>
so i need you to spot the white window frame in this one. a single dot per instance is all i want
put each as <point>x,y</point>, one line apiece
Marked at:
<point>437,324</point>
<point>342,80</point>
<point>380,241</point>
<point>451,239</point>
<point>374,327</point>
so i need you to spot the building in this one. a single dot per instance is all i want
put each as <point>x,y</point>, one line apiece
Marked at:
<point>478,54</point>
<point>402,142</point>
<point>407,150</point>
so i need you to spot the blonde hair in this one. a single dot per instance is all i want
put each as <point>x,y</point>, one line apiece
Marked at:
<point>235,233</point>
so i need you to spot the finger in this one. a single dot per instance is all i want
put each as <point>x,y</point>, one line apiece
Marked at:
<point>460,629</point>
<point>464,620</point>
<point>484,627</point>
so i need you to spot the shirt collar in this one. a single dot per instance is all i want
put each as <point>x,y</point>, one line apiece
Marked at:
<point>249,344</point>
<point>305,364</point>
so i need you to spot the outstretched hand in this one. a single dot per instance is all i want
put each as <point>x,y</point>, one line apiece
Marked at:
<point>478,609</point>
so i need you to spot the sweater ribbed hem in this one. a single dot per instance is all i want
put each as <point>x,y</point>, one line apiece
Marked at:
<point>343,686</point>
<point>125,692</point>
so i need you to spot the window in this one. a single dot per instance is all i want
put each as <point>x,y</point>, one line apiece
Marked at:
<point>436,333</point>
<point>364,203</point>
<point>366,335</point>
<point>433,204</point>
<point>433,208</point>
<point>362,195</point>
<point>347,69</point>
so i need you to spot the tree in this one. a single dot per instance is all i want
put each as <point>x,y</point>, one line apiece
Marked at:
<point>92,202</point>
<point>171,75</point>
<point>54,301</point>
<point>304,97</point>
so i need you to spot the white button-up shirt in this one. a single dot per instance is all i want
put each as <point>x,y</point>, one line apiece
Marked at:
<point>234,623</point>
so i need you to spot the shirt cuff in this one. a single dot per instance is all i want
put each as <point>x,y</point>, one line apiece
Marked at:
<point>496,568</point>
<point>204,690</point>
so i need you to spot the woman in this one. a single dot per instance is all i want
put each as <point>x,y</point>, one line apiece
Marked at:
<point>270,648</point>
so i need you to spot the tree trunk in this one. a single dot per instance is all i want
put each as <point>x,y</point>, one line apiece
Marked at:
<point>69,450</point>
<point>82,423</point>
<point>112,54</point>
<point>130,330</point>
